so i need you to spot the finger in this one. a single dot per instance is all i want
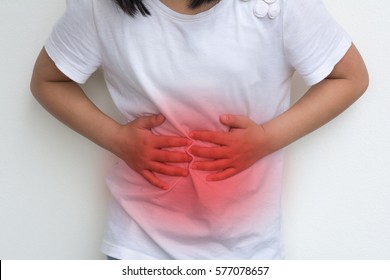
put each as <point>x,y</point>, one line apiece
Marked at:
<point>210,152</point>
<point>170,141</point>
<point>219,138</point>
<point>212,165</point>
<point>168,156</point>
<point>149,122</point>
<point>170,170</point>
<point>235,121</point>
<point>227,173</point>
<point>151,178</point>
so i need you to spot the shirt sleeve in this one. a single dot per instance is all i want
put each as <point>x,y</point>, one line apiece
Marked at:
<point>314,42</point>
<point>73,42</point>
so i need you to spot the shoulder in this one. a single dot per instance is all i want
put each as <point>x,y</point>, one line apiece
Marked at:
<point>304,7</point>
<point>80,8</point>
<point>87,10</point>
<point>79,4</point>
<point>88,6</point>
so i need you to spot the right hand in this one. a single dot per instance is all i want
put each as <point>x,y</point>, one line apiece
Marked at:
<point>144,151</point>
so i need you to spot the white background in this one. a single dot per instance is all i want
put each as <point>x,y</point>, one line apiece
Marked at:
<point>52,192</point>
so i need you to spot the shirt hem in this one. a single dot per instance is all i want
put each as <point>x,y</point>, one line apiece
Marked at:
<point>65,68</point>
<point>322,72</point>
<point>122,253</point>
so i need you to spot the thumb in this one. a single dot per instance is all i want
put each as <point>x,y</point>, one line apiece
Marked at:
<point>150,122</point>
<point>235,121</point>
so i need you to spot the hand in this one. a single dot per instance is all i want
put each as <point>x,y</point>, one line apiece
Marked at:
<point>144,151</point>
<point>237,149</point>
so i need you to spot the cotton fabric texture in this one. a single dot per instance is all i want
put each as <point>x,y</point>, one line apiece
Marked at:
<point>236,58</point>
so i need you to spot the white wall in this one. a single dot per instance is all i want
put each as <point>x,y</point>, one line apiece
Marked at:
<point>52,193</point>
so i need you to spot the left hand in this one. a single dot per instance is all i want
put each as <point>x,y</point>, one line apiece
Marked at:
<point>237,149</point>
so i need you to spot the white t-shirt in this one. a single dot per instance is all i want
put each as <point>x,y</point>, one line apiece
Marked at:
<point>236,58</point>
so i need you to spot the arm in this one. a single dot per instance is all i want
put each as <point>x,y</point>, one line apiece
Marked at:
<point>322,102</point>
<point>247,142</point>
<point>133,142</point>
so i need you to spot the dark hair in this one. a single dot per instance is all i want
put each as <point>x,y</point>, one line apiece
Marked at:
<point>133,7</point>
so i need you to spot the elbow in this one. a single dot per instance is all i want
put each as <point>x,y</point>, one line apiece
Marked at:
<point>365,83</point>
<point>362,82</point>
<point>352,69</point>
<point>36,89</point>
<point>33,87</point>
<point>359,74</point>
<point>36,82</point>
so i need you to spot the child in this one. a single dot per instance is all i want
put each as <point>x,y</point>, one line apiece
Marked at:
<point>205,88</point>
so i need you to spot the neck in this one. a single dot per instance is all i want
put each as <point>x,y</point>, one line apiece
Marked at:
<point>182,7</point>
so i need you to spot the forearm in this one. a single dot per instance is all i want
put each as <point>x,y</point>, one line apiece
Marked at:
<point>322,103</point>
<point>133,142</point>
<point>68,103</point>
<point>65,100</point>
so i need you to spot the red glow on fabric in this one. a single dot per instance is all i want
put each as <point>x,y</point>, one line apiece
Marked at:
<point>214,206</point>
<point>192,206</point>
